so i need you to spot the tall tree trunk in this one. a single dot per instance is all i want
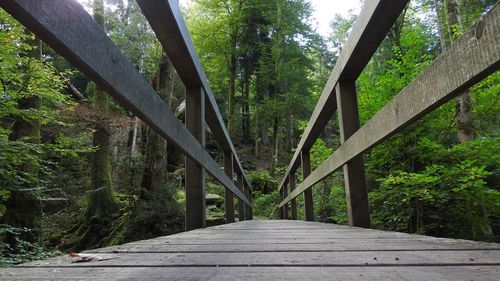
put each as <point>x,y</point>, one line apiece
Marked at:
<point>96,221</point>
<point>232,85</point>
<point>155,170</point>
<point>160,214</point>
<point>277,81</point>
<point>101,200</point>
<point>442,41</point>
<point>24,208</point>
<point>465,131</point>
<point>245,124</point>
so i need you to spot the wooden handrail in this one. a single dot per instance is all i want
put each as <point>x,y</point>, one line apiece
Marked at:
<point>374,22</point>
<point>167,22</point>
<point>478,50</point>
<point>72,32</point>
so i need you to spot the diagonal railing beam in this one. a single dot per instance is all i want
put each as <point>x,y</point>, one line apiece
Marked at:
<point>467,61</point>
<point>167,22</point>
<point>373,24</point>
<point>71,31</point>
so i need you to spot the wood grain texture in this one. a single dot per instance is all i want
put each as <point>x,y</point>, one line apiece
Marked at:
<point>278,250</point>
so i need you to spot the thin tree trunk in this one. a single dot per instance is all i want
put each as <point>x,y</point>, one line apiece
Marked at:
<point>232,86</point>
<point>246,107</point>
<point>439,25</point>
<point>465,131</point>
<point>132,141</point>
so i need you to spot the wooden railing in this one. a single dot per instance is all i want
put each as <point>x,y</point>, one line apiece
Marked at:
<point>71,31</point>
<point>467,61</point>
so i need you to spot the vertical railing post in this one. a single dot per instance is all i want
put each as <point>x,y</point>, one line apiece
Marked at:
<point>248,209</point>
<point>195,174</point>
<point>308,195</point>
<point>229,198</point>
<point>280,209</point>
<point>354,170</point>
<point>291,179</point>
<point>285,207</point>
<point>241,204</point>
<point>251,201</point>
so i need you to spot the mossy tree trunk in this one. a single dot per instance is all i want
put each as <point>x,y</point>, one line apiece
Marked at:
<point>24,207</point>
<point>156,212</point>
<point>101,202</point>
<point>97,220</point>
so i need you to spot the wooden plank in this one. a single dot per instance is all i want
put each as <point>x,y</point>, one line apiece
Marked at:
<point>338,273</point>
<point>194,255</point>
<point>373,24</point>
<point>354,170</point>
<point>308,195</point>
<point>469,59</point>
<point>195,174</point>
<point>293,204</point>
<point>358,245</point>
<point>168,24</point>
<point>64,25</point>
<point>342,258</point>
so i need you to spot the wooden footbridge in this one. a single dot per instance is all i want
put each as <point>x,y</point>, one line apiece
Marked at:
<point>284,249</point>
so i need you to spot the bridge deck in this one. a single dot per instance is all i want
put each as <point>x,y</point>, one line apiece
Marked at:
<point>278,250</point>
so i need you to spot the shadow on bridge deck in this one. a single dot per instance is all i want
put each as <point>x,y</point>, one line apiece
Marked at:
<point>278,250</point>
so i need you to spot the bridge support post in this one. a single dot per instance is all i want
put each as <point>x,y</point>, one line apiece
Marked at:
<point>195,174</point>
<point>248,209</point>
<point>241,204</point>
<point>308,195</point>
<point>354,170</point>
<point>280,209</point>
<point>251,208</point>
<point>291,179</point>
<point>229,197</point>
<point>285,207</point>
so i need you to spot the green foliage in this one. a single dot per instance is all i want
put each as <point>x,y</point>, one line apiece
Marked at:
<point>264,205</point>
<point>24,251</point>
<point>450,197</point>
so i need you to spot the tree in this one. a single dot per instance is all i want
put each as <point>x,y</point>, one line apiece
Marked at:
<point>96,221</point>
<point>465,131</point>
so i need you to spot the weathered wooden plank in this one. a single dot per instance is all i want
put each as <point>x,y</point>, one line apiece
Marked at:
<point>364,273</point>
<point>358,211</point>
<point>358,245</point>
<point>374,258</point>
<point>199,257</point>
<point>64,25</point>
<point>469,59</point>
<point>168,24</point>
<point>373,24</point>
<point>195,174</point>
